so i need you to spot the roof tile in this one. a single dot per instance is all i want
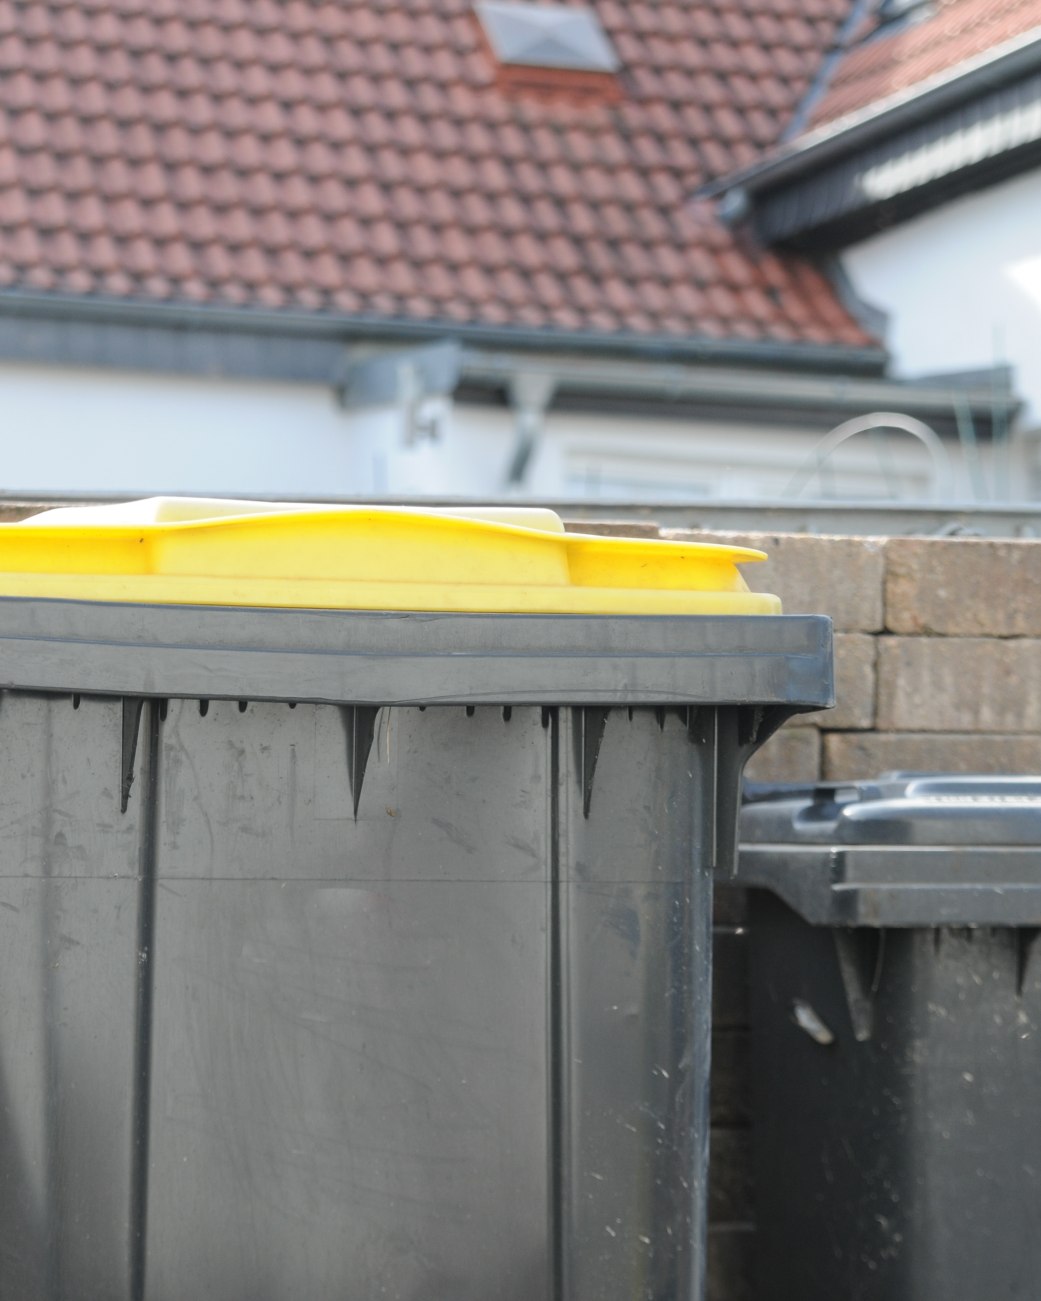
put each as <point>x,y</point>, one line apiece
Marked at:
<point>260,190</point>
<point>880,63</point>
<point>28,130</point>
<point>116,180</point>
<point>40,276</point>
<point>14,210</point>
<point>76,281</point>
<point>364,158</point>
<point>548,289</point>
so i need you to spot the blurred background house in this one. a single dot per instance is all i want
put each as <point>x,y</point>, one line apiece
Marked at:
<point>624,251</point>
<point>915,162</point>
<point>652,257</point>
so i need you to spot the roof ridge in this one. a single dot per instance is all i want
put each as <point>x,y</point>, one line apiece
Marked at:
<point>841,45</point>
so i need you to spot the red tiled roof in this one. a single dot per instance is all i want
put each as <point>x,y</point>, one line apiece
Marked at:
<point>956,32</point>
<point>362,157</point>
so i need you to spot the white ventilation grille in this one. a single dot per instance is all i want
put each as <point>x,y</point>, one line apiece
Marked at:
<point>547,36</point>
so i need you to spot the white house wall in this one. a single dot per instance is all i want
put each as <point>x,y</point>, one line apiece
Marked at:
<point>962,288</point>
<point>618,458</point>
<point>93,431</point>
<point>85,431</point>
<point>633,458</point>
<point>103,431</point>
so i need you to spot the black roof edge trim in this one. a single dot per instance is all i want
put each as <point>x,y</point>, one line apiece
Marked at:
<point>353,329</point>
<point>825,238</point>
<point>836,141</point>
<point>219,345</point>
<point>813,402</point>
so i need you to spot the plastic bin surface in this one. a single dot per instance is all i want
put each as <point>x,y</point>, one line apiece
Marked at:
<point>354,954</point>
<point>896,1038</point>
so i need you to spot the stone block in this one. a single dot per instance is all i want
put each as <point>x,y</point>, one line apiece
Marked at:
<point>623,528</point>
<point>730,1183</point>
<point>729,906</point>
<point>730,1250</point>
<point>791,754</point>
<point>813,574</point>
<point>855,655</point>
<point>963,587</point>
<point>729,979</point>
<point>851,755</point>
<point>729,1091</point>
<point>958,684</point>
<point>11,512</point>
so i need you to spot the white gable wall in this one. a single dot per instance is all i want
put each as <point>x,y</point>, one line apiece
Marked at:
<point>962,288</point>
<point>619,458</point>
<point>66,430</point>
<point>81,431</point>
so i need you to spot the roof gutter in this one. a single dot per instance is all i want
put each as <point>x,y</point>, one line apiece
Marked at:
<point>346,330</point>
<point>854,132</point>
<point>771,391</point>
<point>365,362</point>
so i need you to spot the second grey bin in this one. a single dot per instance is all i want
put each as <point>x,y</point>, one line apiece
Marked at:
<point>896,1039</point>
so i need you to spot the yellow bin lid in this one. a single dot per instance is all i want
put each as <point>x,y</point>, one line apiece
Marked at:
<point>196,551</point>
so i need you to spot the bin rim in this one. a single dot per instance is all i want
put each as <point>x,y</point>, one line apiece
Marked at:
<point>380,658</point>
<point>902,849</point>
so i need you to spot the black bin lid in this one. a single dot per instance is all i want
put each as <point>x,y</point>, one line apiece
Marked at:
<point>897,808</point>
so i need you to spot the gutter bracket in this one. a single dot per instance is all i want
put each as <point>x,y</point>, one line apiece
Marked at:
<point>418,381</point>
<point>530,394</point>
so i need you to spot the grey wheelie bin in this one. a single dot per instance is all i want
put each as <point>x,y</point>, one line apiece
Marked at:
<point>355,900</point>
<point>896,1039</point>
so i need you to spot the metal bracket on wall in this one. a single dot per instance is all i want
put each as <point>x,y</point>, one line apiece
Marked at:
<point>406,378</point>
<point>132,707</point>
<point>386,378</point>
<point>530,393</point>
<point>360,724</point>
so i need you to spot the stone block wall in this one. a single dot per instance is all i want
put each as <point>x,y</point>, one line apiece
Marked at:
<point>937,653</point>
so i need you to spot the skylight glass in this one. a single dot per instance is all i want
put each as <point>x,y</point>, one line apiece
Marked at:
<point>547,36</point>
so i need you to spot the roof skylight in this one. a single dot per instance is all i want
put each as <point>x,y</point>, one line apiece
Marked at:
<point>546,36</point>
